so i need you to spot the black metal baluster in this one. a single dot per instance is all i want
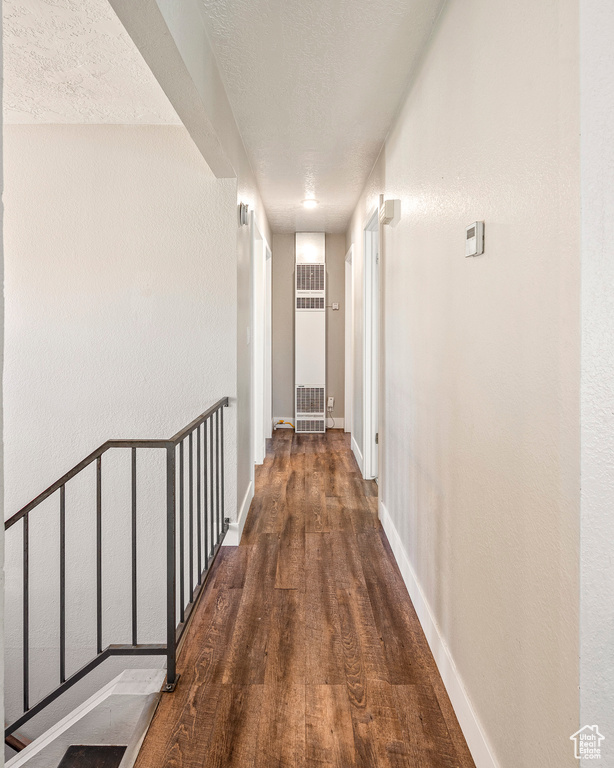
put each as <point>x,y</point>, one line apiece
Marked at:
<point>217,475</point>
<point>206,495</point>
<point>222,462</point>
<point>198,505</point>
<point>134,571</point>
<point>191,512</point>
<point>171,571</point>
<point>211,482</point>
<point>63,584</point>
<point>181,538</point>
<point>26,613</point>
<point>99,554</point>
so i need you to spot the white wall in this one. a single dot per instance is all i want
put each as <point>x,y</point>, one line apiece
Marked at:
<point>121,284</point>
<point>172,38</point>
<point>480,482</point>
<point>283,325</point>
<point>597,533</point>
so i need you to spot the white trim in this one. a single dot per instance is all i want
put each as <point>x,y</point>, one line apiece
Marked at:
<point>258,320</point>
<point>357,454</point>
<point>131,682</point>
<point>349,339</point>
<point>138,737</point>
<point>370,371</point>
<point>469,722</point>
<point>268,343</point>
<point>235,529</point>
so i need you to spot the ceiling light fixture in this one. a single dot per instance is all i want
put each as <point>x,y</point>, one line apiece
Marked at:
<point>310,203</point>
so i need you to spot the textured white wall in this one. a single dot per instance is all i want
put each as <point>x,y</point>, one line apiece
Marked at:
<point>121,322</point>
<point>481,398</point>
<point>597,534</point>
<point>283,324</point>
<point>189,34</point>
<point>75,63</point>
<point>172,39</point>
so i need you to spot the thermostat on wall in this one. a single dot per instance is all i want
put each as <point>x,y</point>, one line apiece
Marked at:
<point>474,239</point>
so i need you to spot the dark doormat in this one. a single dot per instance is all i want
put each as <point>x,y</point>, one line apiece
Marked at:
<point>80,756</point>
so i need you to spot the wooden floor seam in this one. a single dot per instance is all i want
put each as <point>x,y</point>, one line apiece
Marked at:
<point>305,650</point>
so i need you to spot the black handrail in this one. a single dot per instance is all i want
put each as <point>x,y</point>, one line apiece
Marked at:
<point>211,527</point>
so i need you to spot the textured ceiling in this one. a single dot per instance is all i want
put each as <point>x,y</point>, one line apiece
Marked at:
<point>71,61</point>
<point>314,86</point>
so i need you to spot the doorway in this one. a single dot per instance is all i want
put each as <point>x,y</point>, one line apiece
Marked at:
<point>371,347</point>
<point>262,378</point>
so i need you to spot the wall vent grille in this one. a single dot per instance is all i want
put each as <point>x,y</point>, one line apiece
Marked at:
<point>310,425</point>
<point>310,277</point>
<point>310,302</point>
<point>310,400</point>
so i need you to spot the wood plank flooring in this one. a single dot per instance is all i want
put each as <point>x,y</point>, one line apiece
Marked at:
<point>305,650</point>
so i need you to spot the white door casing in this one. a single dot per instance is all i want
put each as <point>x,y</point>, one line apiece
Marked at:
<point>371,346</point>
<point>349,339</point>
<point>261,344</point>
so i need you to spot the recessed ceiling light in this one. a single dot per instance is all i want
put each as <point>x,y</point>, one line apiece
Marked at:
<point>310,203</point>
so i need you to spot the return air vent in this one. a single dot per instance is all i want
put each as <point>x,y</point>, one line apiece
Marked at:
<point>309,400</point>
<point>311,302</point>
<point>310,425</point>
<point>310,277</point>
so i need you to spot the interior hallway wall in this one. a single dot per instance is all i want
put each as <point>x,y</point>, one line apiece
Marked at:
<point>121,278</point>
<point>173,41</point>
<point>283,325</point>
<point>480,483</point>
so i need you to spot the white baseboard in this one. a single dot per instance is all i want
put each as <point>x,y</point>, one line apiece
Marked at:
<point>467,717</point>
<point>357,454</point>
<point>235,530</point>
<point>339,422</point>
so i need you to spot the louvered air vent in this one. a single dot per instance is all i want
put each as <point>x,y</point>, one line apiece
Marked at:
<point>309,400</point>
<point>311,302</point>
<point>310,277</point>
<point>310,425</point>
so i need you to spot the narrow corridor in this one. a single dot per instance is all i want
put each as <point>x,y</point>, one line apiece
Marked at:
<point>305,649</point>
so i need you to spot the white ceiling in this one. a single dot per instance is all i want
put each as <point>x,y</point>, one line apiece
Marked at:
<point>314,86</point>
<point>71,61</point>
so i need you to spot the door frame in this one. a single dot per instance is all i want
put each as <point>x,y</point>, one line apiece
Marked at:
<point>349,341</point>
<point>371,235</point>
<point>261,360</point>
<point>268,344</point>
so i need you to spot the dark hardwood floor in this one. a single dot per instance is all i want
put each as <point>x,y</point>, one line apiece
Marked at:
<point>305,649</point>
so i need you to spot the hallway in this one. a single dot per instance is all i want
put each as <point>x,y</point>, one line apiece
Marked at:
<point>305,649</point>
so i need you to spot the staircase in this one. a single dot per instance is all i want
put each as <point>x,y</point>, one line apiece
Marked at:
<point>183,539</point>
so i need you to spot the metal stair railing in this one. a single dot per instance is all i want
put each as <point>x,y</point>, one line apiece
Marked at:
<point>206,528</point>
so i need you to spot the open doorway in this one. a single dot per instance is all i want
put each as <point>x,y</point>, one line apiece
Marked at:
<point>262,379</point>
<point>371,347</point>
